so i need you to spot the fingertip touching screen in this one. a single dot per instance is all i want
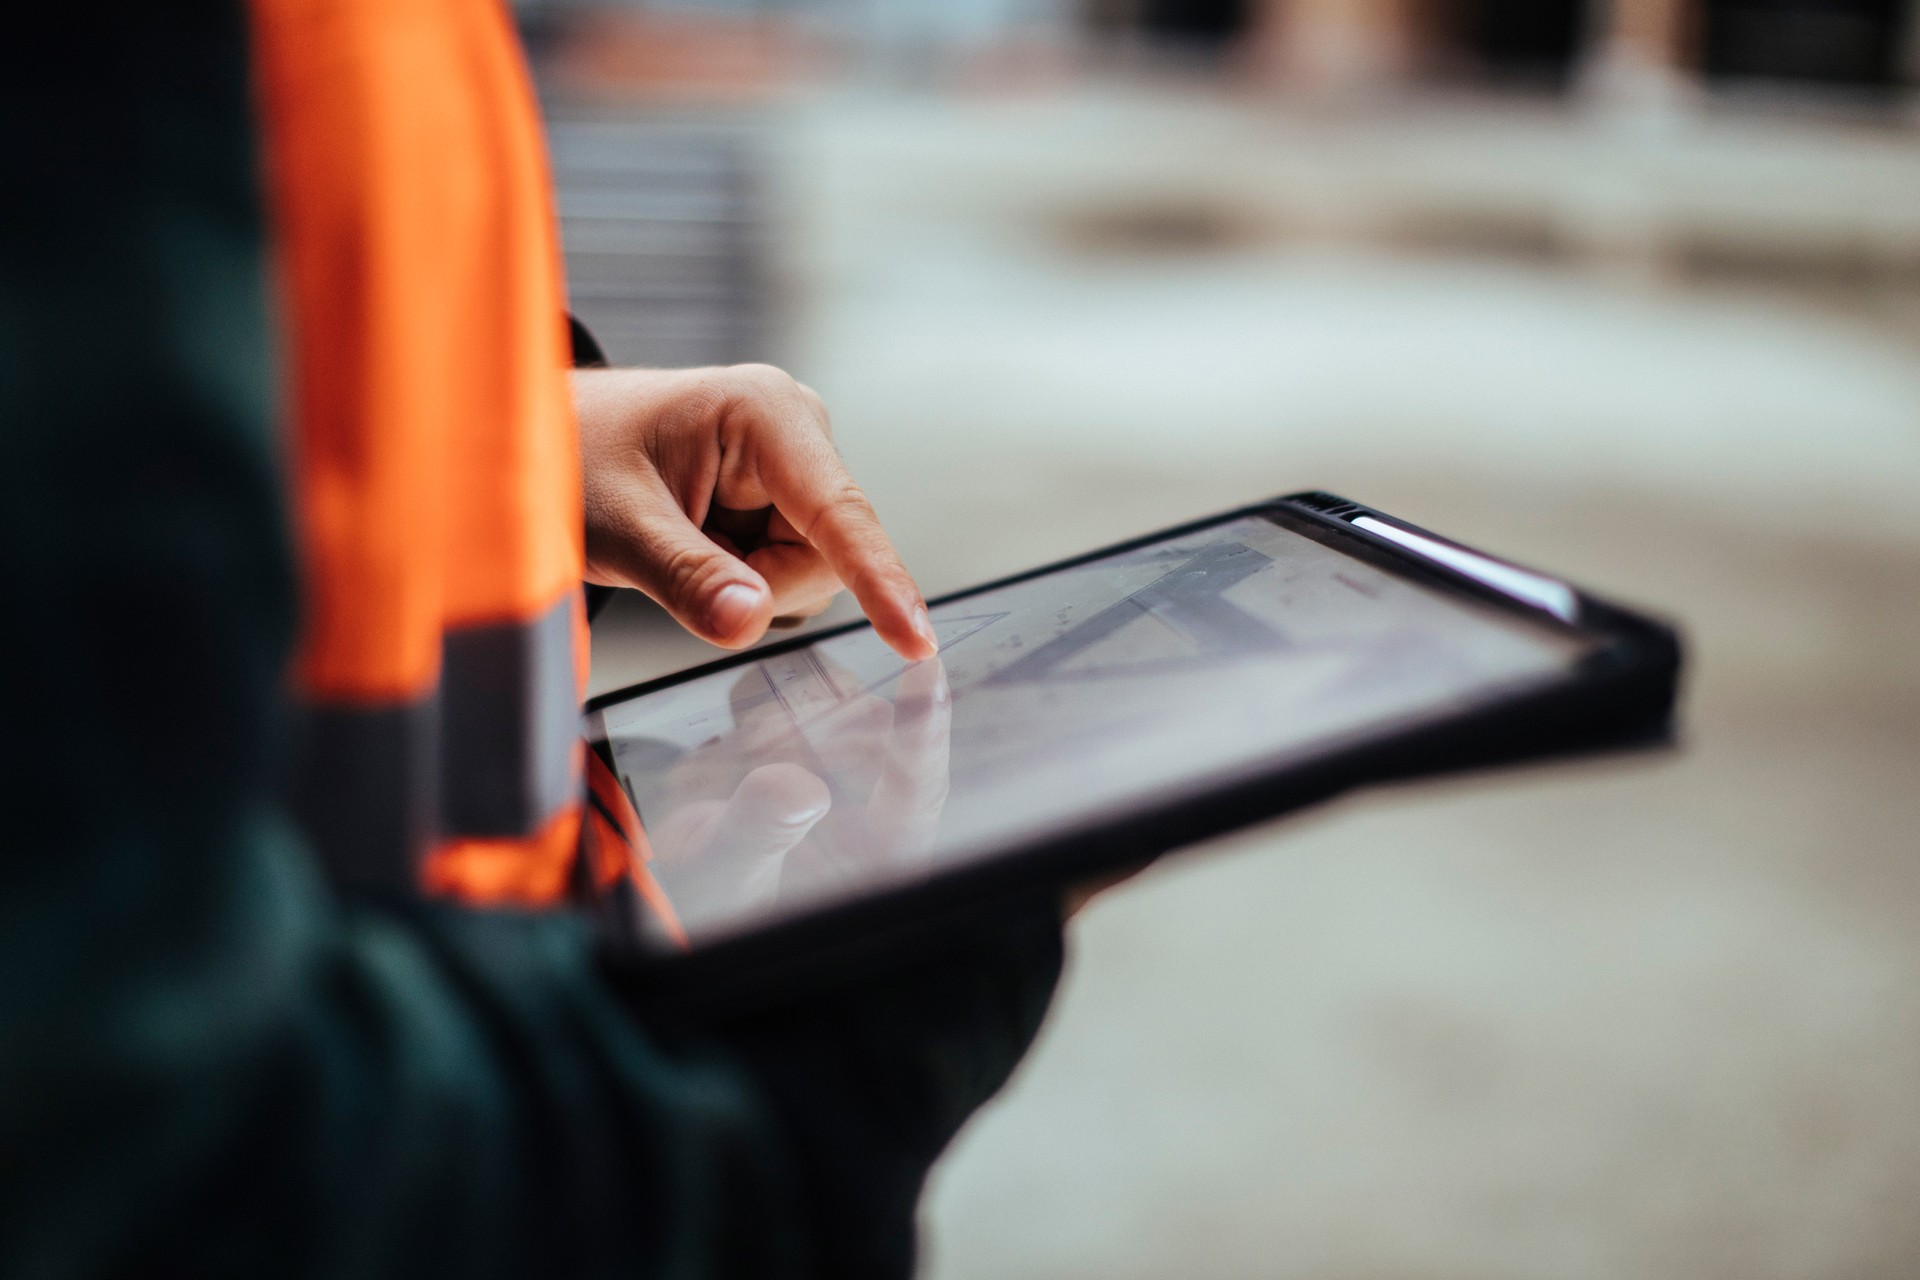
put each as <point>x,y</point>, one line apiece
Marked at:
<point>834,770</point>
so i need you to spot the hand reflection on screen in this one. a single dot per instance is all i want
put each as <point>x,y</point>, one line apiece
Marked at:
<point>769,809</point>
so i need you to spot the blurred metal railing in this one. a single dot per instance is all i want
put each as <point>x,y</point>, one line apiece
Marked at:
<point>664,229</point>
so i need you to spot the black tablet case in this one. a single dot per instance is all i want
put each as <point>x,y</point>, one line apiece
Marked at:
<point>1621,696</point>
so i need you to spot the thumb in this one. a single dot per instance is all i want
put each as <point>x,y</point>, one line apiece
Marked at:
<point>709,590</point>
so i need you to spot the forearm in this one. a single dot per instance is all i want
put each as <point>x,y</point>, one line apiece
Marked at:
<point>259,1079</point>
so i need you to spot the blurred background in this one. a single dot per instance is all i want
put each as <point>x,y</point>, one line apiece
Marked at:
<point>1630,290</point>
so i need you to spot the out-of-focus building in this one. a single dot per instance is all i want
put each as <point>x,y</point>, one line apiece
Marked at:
<point>1631,50</point>
<point>1630,291</point>
<point>1621,52</point>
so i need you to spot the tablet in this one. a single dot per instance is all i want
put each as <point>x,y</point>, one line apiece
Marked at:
<point>821,793</point>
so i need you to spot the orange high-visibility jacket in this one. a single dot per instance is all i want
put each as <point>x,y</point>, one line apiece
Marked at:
<point>432,456</point>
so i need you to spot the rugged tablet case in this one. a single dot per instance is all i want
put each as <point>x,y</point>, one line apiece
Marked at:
<point>1621,696</point>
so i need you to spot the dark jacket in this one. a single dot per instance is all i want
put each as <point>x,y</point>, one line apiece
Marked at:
<point>210,1063</point>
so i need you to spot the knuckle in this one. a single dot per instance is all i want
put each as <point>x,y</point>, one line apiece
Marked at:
<point>848,498</point>
<point>817,406</point>
<point>846,505</point>
<point>704,398</point>
<point>764,377</point>
<point>684,570</point>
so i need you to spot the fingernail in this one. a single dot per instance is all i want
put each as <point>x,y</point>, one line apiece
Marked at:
<point>923,627</point>
<point>806,813</point>
<point>732,609</point>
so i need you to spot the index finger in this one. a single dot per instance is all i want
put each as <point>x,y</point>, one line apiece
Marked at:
<point>810,486</point>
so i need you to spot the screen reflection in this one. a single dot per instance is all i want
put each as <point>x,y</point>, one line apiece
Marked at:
<point>833,769</point>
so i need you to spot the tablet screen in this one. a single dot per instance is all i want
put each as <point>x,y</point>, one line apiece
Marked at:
<point>784,784</point>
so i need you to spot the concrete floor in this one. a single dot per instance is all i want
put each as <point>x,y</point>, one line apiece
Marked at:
<point>1656,1017</point>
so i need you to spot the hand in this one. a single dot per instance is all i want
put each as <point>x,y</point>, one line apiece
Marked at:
<point>718,493</point>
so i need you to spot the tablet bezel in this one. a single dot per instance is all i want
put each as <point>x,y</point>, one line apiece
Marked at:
<point>1620,694</point>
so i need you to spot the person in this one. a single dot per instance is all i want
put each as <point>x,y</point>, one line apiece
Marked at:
<point>300,917</point>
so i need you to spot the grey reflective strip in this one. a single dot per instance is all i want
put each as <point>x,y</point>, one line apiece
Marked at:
<point>489,753</point>
<point>509,718</point>
<point>365,790</point>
